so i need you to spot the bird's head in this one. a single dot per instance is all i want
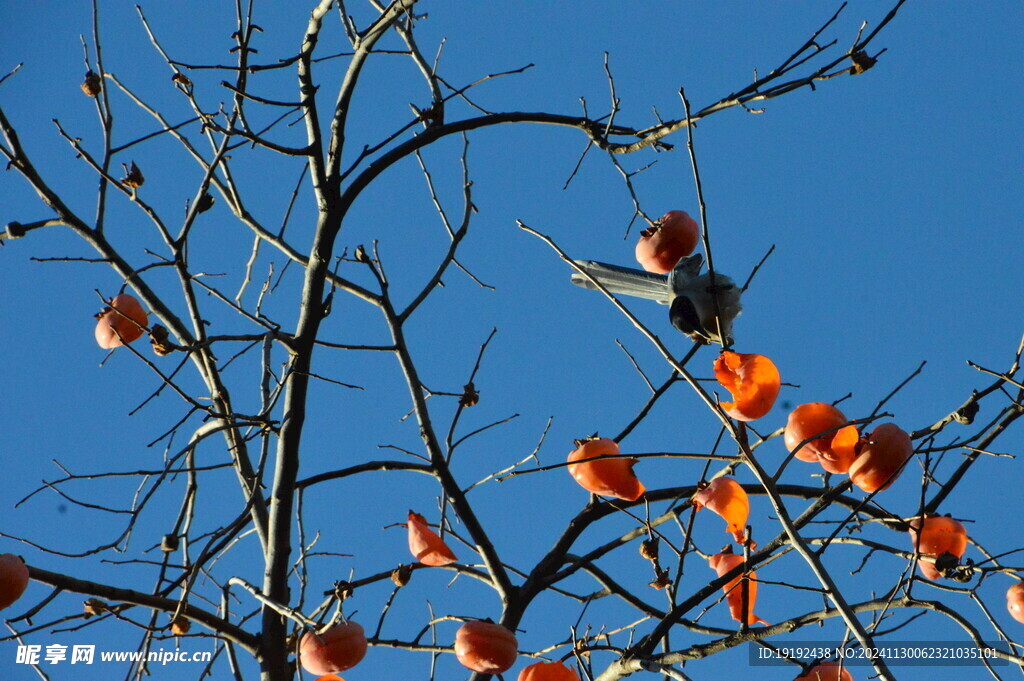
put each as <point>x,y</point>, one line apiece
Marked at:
<point>685,270</point>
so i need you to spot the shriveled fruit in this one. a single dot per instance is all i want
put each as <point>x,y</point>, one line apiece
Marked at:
<point>752,380</point>
<point>92,85</point>
<point>608,477</point>
<point>670,239</point>
<point>123,321</point>
<point>180,626</point>
<point>486,647</point>
<point>339,648</point>
<point>426,545</point>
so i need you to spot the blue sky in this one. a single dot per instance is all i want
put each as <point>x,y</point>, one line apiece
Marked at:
<point>892,200</point>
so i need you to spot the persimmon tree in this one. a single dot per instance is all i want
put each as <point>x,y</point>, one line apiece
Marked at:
<point>241,276</point>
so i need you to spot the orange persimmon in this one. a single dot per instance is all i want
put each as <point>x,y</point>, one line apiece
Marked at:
<point>668,240</point>
<point>608,477</point>
<point>123,321</point>
<point>425,544</point>
<point>940,534</point>
<point>842,450</point>
<point>881,458</point>
<point>722,563</point>
<point>727,498</point>
<point>1015,601</point>
<point>339,648</point>
<point>811,421</point>
<point>752,380</point>
<point>548,671</point>
<point>13,579</point>
<point>826,671</point>
<point>486,647</point>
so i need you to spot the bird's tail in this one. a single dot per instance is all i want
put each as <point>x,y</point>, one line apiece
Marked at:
<point>625,280</point>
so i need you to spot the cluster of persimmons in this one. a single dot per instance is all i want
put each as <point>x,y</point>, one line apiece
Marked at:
<point>480,645</point>
<point>815,432</point>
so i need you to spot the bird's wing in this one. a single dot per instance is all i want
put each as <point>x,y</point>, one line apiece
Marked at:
<point>684,317</point>
<point>729,305</point>
<point>625,280</point>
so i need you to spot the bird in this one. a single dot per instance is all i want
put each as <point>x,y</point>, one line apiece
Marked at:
<point>689,294</point>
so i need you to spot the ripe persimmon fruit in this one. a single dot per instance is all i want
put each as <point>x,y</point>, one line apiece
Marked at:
<point>939,534</point>
<point>338,648</point>
<point>727,498</point>
<point>1015,601</point>
<point>668,240</point>
<point>826,671</point>
<point>608,477</point>
<point>812,421</point>
<point>752,380</point>
<point>486,647</point>
<point>883,454</point>
<point>548,671</point>
<point>123,321</point>
<point>724,562</point>
<point>425,544</point>
<point>13,579</point>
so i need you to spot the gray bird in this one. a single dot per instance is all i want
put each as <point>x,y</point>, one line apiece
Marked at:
<point>688,293</point>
